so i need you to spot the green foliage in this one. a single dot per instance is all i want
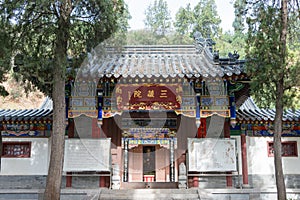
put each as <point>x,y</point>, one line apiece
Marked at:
<point>5,53</point>
<point>183,24</point>
<point>45,34</point>
<point>294,31</point>
<point>265,61</point>
<point>35,31</point>
<point>230,42</point>
<point>139,37</point>
<point>239,11</point>
<point>207,21</point>
<point>274,72</point>
<point>158,18</point>
<point>202,18</point>
<point>144,37</point>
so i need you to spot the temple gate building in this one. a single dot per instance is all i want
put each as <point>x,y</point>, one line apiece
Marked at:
<point>133,117</point>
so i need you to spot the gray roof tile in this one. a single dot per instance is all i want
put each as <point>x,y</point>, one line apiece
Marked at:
<point>42,113</point>
<point>155,61</point>
<point>249,111</point>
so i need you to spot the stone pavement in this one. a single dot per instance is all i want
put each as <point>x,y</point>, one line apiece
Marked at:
<point>151,194</point>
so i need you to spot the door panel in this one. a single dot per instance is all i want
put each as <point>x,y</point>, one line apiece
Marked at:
<point>149,160</point>
<point>136,164</point>
<point>162,163</point>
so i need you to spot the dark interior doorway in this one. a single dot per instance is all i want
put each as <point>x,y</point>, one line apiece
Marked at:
<point>149,160</point>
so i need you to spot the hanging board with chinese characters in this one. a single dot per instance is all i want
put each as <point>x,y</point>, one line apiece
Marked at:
<point>211,155</point>
<point>87,155</point>
<point>148,96</point>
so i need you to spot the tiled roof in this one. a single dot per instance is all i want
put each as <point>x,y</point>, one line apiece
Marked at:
<point>159,61</point>
<point>249,111</point>
<point>47,104</point>
<point>42,113</point>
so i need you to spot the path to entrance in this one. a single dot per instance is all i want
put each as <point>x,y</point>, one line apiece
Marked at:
<point>149,194</point>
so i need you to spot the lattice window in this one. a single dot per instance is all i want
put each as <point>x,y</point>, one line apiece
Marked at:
<point>288,148</point>
<point>16,149</point>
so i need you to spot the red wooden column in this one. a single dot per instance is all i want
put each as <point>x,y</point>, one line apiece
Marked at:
<point>244,159</point>
<point>202,128</point>
<point>102,180</point>
<point>69,179</point>
<point>71,128</point>
<point>95,128</point>
<point>227,135</point>
<point>201,133</point>
<point>196,181</point>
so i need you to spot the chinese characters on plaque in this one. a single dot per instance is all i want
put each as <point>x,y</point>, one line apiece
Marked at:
<point>148,96</point>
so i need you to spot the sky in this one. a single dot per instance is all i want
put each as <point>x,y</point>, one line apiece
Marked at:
<point>137,11</point>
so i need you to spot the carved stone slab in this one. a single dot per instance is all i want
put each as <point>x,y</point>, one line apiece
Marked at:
<point>87,155</point>
<point>211,155</point>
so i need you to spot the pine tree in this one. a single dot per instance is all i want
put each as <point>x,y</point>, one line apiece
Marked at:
<point>270,64</point>
<point>158,18</point>
<point>45,34</point>
<point>202,18</point>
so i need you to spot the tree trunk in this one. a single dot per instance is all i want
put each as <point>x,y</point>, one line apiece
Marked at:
<point>1,147</point>
<point>54,177</point>
<point>281,190</point>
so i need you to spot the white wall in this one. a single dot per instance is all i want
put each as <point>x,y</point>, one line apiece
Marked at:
<point>257,155</point>
<point>37,164</point>
<point>258,160</point>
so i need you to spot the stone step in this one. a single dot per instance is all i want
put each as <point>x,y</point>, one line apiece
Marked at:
<point>151,191</point>
<point>149,185</point>
<point>149,197</point>
<point>149,194</point>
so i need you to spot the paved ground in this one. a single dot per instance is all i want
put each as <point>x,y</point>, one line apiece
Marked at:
<point>167,194</point>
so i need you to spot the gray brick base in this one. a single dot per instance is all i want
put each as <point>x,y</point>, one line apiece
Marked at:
<point>22,182</point>
<point>255,181</point>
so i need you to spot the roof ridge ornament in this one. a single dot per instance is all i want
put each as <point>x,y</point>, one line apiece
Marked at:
<point>202,43</point>
<point>235,56</point>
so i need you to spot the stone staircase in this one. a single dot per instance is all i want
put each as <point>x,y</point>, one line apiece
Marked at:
<point>149,185</point>
<point>153,194</point>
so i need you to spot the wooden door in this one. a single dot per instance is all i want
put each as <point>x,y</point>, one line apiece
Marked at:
<point>149,161</point>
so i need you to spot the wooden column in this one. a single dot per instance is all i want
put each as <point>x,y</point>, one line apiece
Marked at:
<point>172,161</point>
<point>227,135</point>
<point>102,180</point>
<point>125,173</point>
<point>199,134</point>
<point>96,134</point>
<point>71,128</point>
<point>202,128</point>
<point>227,128</point>
<point>95,128</point>
<point>69,179</point>
<point>196,181</point>
<point>244,159</point>
<point>229,180</point>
